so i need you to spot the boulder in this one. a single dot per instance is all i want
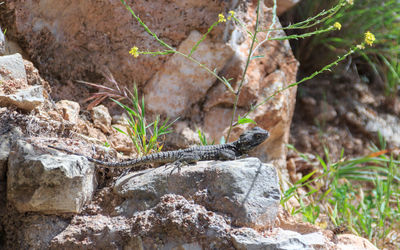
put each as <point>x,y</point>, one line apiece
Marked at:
<point>281,239</point>
<point>246,190</point>
<point>46,183</point>
<point>33,231</point>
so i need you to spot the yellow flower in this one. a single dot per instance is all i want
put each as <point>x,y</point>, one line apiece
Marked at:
<point>231,13</point>
<point>337,25</point>
<point>134,51</point>
<point>351,2</point>
<point>369,38</point>
<point>221,18</point>
<point>322,224</point>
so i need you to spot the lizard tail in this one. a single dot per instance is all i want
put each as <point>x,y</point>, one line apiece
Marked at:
<point>110,164</point>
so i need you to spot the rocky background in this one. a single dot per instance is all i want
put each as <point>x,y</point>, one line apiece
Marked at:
<point>50,200</point>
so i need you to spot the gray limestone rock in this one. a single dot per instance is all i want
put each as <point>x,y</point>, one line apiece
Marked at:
<point>5,148</point>
<point>246,190</point>
<point>249,239</point>
<point>18,92</point>
<point>12,69</point>
<point>50,184</point>
<point>26,99</point>
<point>373,123</point>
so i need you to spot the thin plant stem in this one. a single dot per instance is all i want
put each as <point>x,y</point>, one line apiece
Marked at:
<point>269,31</point>
<point>237,94</point>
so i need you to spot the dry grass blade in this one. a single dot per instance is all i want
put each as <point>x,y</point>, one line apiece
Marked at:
<point>105,91</point>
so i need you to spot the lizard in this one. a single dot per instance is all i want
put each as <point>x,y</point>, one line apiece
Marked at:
<point>229,151</point>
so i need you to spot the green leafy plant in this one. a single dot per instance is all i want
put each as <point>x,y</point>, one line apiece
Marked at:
<point>144,136</point>
<point>391,74</point>
<point>338,192</point>
<point>202,137</point>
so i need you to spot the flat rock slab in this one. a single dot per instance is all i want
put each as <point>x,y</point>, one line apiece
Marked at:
<point>247,238</point>
<point>14,88</point>
<point>246,190</point>
<point>26,99</point>
<point>50,184</point>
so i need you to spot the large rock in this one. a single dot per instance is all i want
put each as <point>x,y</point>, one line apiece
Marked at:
<point>350,241</point>
<point>245,190</point>
<point>46,183</point>
<point>99,231</point>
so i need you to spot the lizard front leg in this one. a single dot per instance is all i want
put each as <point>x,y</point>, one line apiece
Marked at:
<point>227,154</point>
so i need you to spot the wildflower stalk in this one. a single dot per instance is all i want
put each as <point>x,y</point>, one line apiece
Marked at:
<point>145,26</point>
<point>313,20</point>
<point>244,27</point>
<point>202,38</point>
<point>237,94</point>
<point>302,35</point>
<point>274,19</point>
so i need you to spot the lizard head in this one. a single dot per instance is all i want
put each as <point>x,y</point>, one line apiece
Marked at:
<point>251,139</point>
